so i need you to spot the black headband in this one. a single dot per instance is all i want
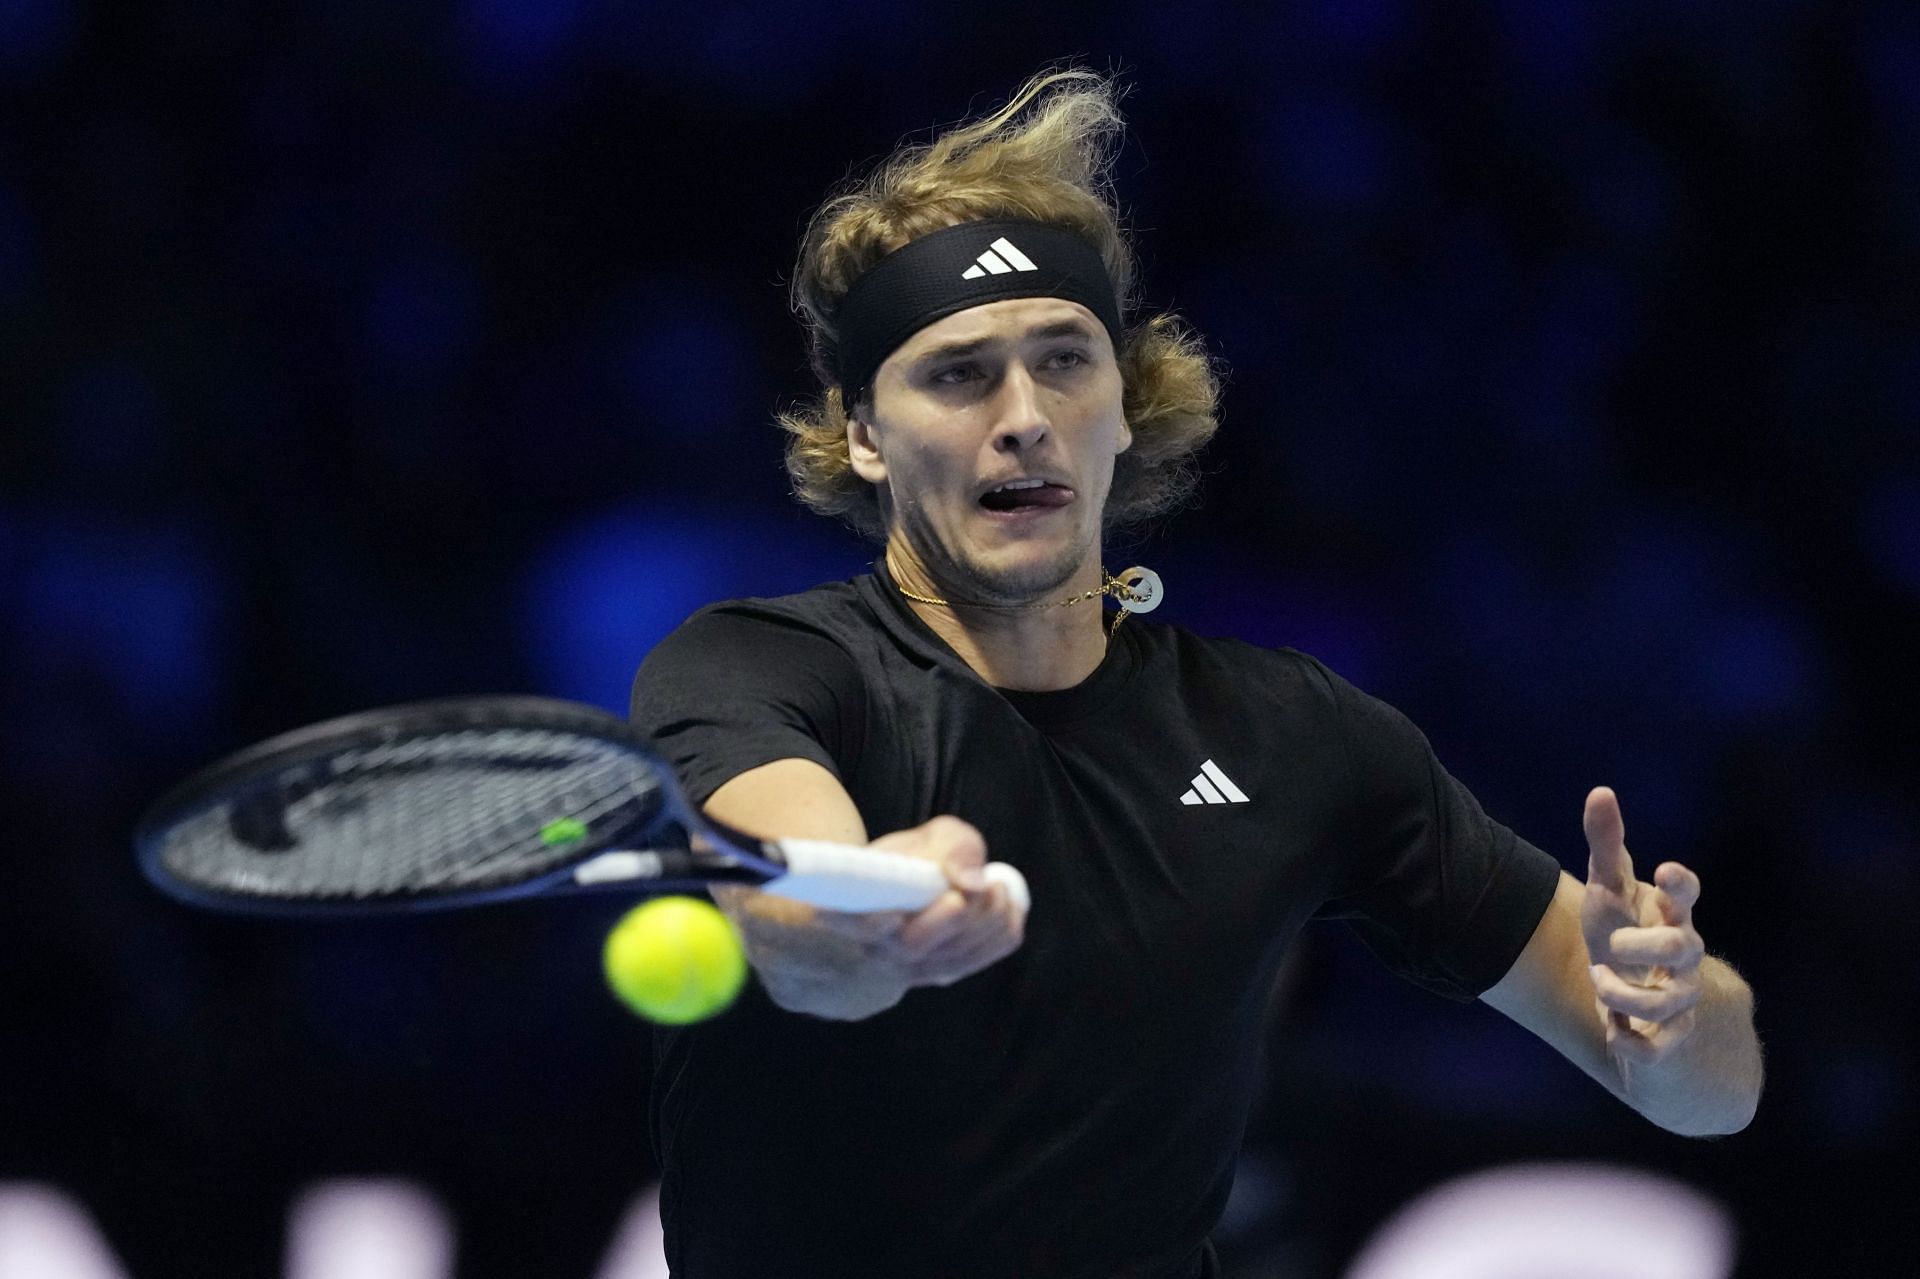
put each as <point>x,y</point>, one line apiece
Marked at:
<point>956,267</point>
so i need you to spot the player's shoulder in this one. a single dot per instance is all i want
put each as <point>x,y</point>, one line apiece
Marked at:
<point>817,627</point>
<point>825,608</point>
<point>757,646</point>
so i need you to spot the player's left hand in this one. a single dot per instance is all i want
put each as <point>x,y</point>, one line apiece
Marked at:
<point>1641,942</point>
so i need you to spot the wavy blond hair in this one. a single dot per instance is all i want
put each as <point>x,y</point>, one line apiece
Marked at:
<point>1045,156</point>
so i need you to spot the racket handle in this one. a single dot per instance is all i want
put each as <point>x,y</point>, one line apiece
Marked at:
<point>1014,881</point>
<point>845,877</point>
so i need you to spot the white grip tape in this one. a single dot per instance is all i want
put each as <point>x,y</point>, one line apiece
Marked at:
<point>1016,884</point>
<point>848,878</point>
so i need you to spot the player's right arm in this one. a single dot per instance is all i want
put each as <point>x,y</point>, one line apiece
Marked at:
<point>847,967</point>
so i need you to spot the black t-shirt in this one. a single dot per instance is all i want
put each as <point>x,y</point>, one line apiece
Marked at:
<point>1076,1108</point>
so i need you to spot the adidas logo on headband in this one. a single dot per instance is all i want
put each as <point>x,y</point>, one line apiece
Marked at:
<point>997,262</point>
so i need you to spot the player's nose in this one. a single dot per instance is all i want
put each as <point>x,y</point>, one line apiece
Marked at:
<point>1022,419</point>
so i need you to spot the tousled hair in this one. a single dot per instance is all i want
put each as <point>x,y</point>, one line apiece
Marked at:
<point>1045,157</point>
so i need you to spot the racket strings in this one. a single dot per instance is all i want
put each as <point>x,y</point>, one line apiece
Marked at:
<point>445,812</point>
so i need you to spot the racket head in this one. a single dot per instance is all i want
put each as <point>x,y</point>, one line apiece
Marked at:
<point>450,802</point>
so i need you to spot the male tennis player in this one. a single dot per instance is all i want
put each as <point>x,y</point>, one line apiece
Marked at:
<point>967,1092</point>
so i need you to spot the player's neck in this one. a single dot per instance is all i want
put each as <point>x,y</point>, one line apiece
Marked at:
<point>1031,649</point>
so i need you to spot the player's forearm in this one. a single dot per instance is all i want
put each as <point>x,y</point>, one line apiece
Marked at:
<point>1710,1084</point>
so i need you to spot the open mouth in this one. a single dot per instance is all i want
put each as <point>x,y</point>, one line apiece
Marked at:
<point>1022,495</point>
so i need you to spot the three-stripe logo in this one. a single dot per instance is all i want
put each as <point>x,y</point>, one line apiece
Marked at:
<point>1211,786</point>
<point>999,259</point>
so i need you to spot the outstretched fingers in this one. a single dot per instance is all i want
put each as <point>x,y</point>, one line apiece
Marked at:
<point>1679,889</point>
<point>1608,865</point>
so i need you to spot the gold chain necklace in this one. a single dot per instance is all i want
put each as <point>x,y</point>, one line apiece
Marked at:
<point>1137,589</point>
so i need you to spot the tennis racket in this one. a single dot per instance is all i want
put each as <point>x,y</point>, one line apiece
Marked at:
<point>469,800</point>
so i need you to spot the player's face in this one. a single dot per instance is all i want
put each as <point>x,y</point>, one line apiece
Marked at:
<point>1024,392</point>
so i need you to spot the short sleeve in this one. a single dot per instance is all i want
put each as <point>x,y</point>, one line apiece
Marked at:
<point>1443,894</point>
<point>735,687</point>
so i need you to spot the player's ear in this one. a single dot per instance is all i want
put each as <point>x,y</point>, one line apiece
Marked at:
<point>863,446</point>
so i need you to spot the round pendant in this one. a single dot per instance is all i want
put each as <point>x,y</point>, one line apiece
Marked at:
<point>1143,589</point>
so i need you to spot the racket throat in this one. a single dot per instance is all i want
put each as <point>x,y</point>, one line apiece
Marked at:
<point>625,865</point>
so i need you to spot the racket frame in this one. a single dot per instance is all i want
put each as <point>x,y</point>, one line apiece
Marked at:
<point>720,853</point>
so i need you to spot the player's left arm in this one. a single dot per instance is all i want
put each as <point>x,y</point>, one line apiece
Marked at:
<point>1616,978</point>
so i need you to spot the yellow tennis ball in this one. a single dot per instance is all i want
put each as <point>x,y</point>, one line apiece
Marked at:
<point>675,960</point>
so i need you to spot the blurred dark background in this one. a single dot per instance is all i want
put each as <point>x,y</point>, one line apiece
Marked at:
<point>367,351</point>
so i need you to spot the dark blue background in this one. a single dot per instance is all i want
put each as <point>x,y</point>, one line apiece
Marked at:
<point>367,351</point>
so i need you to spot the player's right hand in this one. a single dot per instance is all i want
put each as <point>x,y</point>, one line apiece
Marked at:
<point>972,925</point>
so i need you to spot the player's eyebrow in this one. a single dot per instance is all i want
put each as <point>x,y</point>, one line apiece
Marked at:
<point>954,350</point>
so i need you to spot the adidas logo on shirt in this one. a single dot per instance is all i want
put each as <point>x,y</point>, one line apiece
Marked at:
<point>1211,786</point>
<point>1001,258</point>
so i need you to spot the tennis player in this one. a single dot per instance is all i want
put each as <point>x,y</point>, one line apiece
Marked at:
<point>968,1091</point>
